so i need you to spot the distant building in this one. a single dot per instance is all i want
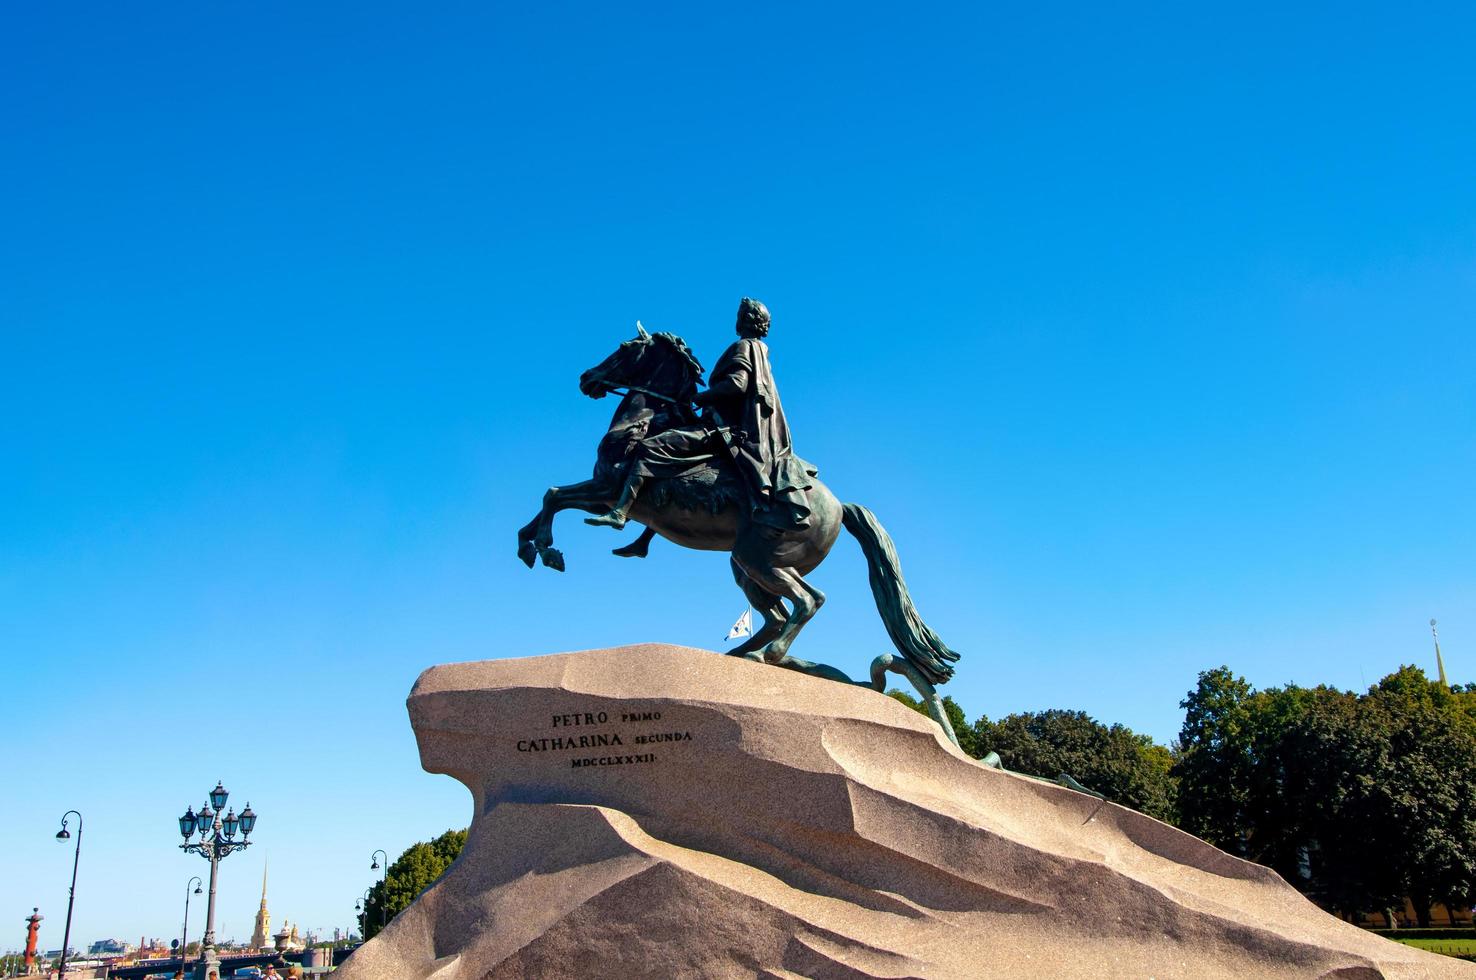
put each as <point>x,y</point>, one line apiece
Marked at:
<point>261,935</point>
<point>288,941</point>
<point>109,947</point>
<point>1406,918</point>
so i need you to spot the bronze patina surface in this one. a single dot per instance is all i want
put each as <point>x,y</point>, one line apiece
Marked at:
<point>716,470</point>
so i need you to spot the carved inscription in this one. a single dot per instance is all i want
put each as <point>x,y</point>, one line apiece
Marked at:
<point>573,734</point>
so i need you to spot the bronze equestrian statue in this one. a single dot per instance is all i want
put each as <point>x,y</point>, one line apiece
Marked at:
<point>728,480</point>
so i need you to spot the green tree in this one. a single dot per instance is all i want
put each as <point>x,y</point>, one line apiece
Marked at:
<point>1358,801</point>
<point>1288,777</point>
<point>1336,759</point>
<point>1126,767</point>
<point>1429,798</point>
<point>407,876</point>
<point>1215,761</point>
<point>897,694</point>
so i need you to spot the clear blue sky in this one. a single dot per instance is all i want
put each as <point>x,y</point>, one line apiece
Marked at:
<point>1146,331</point>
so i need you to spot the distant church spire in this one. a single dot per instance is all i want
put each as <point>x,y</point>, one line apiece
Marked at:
<point>261,935</point>
<point>1439,660</point>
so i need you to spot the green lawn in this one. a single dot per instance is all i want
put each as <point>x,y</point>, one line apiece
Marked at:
<point>1450,947</point>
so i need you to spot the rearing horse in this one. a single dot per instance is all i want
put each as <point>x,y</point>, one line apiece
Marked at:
<point>706,509</point>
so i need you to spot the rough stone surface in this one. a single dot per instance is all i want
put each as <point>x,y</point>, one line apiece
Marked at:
<point>800,828</point>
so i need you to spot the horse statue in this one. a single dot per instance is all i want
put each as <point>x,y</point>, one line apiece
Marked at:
<point>706,508</point>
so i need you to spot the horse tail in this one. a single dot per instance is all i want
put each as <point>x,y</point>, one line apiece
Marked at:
<point>916,643</point>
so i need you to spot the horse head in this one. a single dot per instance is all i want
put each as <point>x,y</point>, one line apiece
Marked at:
<point>654,363</point>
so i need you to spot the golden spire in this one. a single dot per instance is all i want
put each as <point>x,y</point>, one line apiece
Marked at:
<point>261,934</point>
<point>1439,661</point>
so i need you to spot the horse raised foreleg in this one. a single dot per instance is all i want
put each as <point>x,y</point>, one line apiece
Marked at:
<point>536,538</point>
<point>527,551</point>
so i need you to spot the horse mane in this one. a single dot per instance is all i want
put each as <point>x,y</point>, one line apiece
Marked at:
<point>680,346</point>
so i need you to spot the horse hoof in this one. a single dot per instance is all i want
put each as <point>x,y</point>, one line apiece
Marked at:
<point>552,558</point>
<point>527,553</point>
<point>772,653</point>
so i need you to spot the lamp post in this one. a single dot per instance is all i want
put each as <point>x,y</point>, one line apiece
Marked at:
<point>63,834</point>
<point>217,840</point>
<point>362,907</point>
<point>184,938</point>
<point>383,877</point>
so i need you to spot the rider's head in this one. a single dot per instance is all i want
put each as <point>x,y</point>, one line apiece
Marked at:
<point>753,318</point>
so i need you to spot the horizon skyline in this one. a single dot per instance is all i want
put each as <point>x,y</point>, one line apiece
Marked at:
<point>227,939</point>
<point>223,938</point>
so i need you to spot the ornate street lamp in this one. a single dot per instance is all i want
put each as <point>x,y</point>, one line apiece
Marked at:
<point>64,834</point>
<point>217,840</point>
<point>184,938</point>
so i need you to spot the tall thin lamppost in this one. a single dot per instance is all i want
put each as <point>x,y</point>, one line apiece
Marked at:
<point>384,878</point>
<point>217,840</point>
<point>184,937</point>
<point>63,834</point>
<point>362,907</point>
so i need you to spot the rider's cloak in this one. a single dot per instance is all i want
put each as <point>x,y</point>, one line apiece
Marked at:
<point>747,402</point>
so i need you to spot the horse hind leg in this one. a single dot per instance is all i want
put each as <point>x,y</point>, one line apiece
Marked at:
<point>804,597</point>
<point>770,607</point>
<point>777,620</point>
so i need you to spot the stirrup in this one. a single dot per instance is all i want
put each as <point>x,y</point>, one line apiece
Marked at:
<point>613,519</point>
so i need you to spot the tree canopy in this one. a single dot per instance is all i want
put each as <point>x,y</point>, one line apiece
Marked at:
<point>1359,800</point>
<point>407,876</point>
<point>1126,767</point>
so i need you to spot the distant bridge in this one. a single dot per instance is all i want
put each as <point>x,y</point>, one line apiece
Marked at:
<point>228,964</point>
